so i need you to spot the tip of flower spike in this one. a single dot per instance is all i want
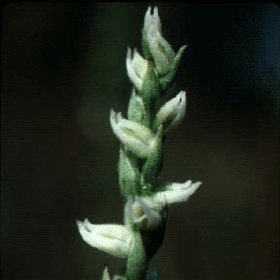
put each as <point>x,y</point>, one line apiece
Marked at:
<point>152,11</point>
<point>148,13</point>
<point>151,17</point>
<point>155,11</point>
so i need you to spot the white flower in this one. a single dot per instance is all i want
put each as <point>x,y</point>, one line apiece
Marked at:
<point>110,238</point>
<point>149,212</point>
<point>136,68</point>
<point>145,212</point>
<point>171,113</point>
<point>135,137</point>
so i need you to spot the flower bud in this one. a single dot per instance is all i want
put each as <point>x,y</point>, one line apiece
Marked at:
<point>171,113</point>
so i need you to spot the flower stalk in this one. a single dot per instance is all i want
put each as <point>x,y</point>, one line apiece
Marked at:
<point>142,135</point>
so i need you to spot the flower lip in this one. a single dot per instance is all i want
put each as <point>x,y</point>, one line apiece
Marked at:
<point>178,192</point>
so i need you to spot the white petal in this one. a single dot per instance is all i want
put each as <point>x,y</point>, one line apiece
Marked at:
<point>178,192</point>
<point>140,131</point>
<point>180,112</point>
<point>152,210</point>
<point>152,20</point>
<point>148,18</point>
<point>139,64</point>
<point>161,50</point>
<point>172,112</point>
<point>105,275</point>
<point>133,211</point>
<point>135,79</point>
<point>113,239</point>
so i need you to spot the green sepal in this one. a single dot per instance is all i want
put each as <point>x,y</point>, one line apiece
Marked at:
<point>145,45</point>
<point>129,174</point>
<point>150,92</point>
<point>153,165</point>
<point>167,79</point>
<point>136,109</point>
<point>136,265</point>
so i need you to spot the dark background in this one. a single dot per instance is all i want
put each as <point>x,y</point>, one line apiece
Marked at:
<point>63,68</point>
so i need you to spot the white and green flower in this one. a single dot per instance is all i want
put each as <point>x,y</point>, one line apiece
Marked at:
<point>171,113</point>
<point>144,212</point>
<point>136,67</point>
<point>155,46</point>
<point>110,238</point>
<point>177,192</point>
<point>137,138</point>
<point>149,212</point>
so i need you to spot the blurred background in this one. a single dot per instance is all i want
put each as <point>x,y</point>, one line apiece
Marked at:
<point>63,68</point>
